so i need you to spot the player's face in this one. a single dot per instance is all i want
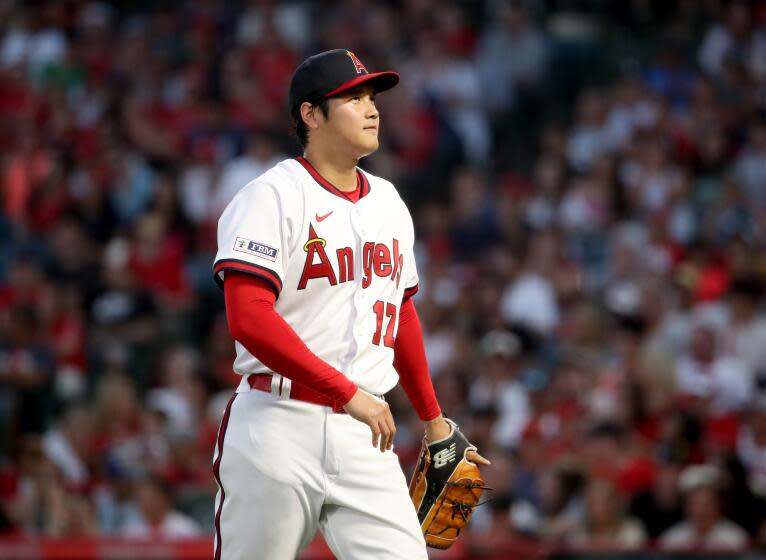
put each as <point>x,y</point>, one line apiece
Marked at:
<point>354,121</point>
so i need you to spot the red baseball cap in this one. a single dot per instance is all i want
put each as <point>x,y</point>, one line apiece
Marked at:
<point>330,73</point>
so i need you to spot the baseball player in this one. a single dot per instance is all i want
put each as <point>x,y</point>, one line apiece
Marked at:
<point>316,260</point>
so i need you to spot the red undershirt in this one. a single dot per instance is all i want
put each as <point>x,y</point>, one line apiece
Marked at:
<point>354,195</point>
<point>255,324</point>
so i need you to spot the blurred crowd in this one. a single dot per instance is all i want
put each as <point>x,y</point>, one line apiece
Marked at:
<point>588,183</point>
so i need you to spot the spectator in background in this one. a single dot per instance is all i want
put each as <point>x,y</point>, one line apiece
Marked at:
<point>530,300</point>
<point>584,213</point>
<point>498,382</point>
<point>660,507</point>
<point>652,181</point>
<point>413,142</point>
<point>605,525</point>
<point>452,82</point>
<point>610,451</point>
<point>261,154</point>
<point>503,76</point>
<point>118,412</point>
<point>158,518</point>
<point>76,274</point>
<point>751,446</point>
<point>40,504</point>
<point>69,446</point>
<point>562,507</point>
<point>739,503</point>
<point>27,287</point>
<point>473,224</point>
<point>114,498</point>
<point>291,22</point>
<point>123,314</point>
<point>750,166</point>
<point>156,262</point>
<point>133,183</point>
<point>493,522</point>
<point>27,170</point>
<point>735,36</point>
<point>34,41</point>
<point>26,375</point>
<point>672,76</point>
<point>442,339</point>
<point>167,204</point>
<point>20,499</point>
<point>704,527</point>
<point>745,336</point>
<point>196,184</point>
<point>589,138</point>
<point>722,383</point>
<point>548,178</point>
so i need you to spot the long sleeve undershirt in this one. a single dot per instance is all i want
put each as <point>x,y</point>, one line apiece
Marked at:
<point>411,365</point>
<point>255,324</point>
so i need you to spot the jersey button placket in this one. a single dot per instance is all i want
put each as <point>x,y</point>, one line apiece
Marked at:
<point>359,222</point>
<point>358,226</point>
<point>359,304</point>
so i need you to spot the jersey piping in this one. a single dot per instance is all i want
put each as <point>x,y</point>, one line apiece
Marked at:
<point>361,181</point>
<point>273,280</point>
<point>409,292</point>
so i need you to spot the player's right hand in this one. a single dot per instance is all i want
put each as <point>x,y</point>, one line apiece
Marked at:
<point>376,414</point>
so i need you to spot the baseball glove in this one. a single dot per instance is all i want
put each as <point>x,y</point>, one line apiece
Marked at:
<point>445,488</point>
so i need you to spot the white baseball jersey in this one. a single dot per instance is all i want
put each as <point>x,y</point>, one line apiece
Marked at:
<point>340,268</point>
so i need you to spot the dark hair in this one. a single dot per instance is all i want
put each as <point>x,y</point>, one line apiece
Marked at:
<point>159,484</point>
<point>301,132</point>
<point>747,286</point>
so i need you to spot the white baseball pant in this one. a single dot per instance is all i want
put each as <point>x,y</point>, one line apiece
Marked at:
<point>286,468</point>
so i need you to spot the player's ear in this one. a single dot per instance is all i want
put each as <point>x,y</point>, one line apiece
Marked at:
<point>310,115</point>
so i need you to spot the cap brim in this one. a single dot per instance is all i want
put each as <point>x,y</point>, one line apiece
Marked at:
<point>380,81</point>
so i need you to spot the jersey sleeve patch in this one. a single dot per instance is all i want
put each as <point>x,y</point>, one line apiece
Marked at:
<point>244,245</point>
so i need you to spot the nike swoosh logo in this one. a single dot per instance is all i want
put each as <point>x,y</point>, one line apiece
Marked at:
<point>320,218</point>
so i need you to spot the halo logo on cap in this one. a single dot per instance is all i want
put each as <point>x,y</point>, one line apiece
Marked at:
<point>357,63</point>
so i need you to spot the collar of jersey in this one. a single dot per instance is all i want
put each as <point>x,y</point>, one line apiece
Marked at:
<point>361,181</point>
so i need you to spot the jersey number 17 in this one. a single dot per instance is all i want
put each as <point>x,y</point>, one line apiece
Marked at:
<point>389,310</point>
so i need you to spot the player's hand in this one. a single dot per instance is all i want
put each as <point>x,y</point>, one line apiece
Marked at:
<point>476,458</point>
<point>376,414</point>
<point>438,428</point>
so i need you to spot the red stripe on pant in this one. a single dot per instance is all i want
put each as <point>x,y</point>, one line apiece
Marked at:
<point>217,474</point>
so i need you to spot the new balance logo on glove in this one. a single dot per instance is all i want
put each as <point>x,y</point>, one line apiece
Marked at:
<point>444,456</point>
<point>445,498</point>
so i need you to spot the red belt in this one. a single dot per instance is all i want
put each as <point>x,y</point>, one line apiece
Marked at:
<point>287,389</point>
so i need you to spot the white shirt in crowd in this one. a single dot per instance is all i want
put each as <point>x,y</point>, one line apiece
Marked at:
<point>531,301</point>
<point>58,449</point>
<point>724,534</point>
<point>726,382</point>
<point>176,525</point>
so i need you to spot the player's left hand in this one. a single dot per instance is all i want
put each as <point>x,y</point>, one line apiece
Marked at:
<point>439,428</point>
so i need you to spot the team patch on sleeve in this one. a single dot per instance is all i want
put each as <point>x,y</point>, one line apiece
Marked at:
<point>254,248</point>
